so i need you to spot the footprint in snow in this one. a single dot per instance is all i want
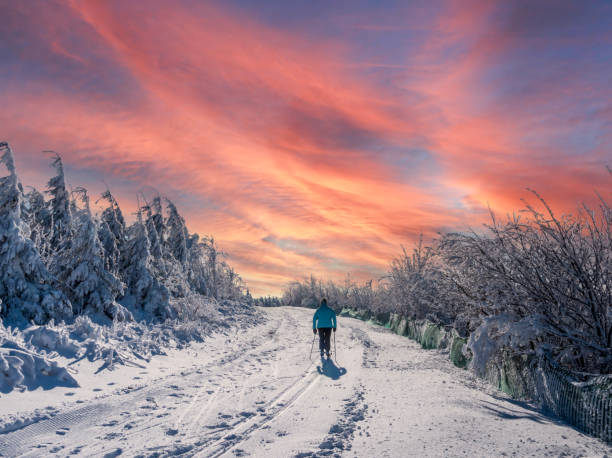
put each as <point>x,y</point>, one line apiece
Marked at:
<point>70,393</point>
<point>112,436</point>
<point>114,453</point>
<point>222,425</point>
<point>62,431</point>
<point>172,432</point>
<point>97,389</point>
<point>110,423</point>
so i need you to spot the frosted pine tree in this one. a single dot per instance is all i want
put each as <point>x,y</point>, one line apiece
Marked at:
<point>90,287</point>
<point>112,233</point>
<point>38,217</point>
<point>27,290</point>
<point>154,220</point>
<point>143,289</point>
<point>177,234</point>
<point>197,264</point>
<point>212,266</point>
<point>59,205</point>
<point>164,264</point>
<point>175,252</point>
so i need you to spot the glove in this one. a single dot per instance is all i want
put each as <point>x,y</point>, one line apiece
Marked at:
<point>334,329</point>
<point>314,331</point>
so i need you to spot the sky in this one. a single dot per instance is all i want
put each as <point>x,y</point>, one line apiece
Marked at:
<point>313,136</point>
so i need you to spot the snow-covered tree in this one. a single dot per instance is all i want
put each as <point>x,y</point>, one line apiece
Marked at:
<point>197,264</point>
<point>156,227</point>
<point>112,233</point>
<point>38,217</point>
<point>143,288</point>
<point>165,244</point>
<point>177,234</point>
<point>81,270</point>
<point>230,285</point>
<point>27,290</point>
<point>213,253</point>
<point>59,205</point>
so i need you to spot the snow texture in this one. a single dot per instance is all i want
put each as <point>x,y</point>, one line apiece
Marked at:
<point>27,357</point>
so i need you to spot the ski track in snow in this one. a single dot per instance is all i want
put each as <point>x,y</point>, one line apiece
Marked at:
<point>259,394</point>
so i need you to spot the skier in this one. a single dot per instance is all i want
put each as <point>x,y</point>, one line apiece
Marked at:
<point>324,320</point>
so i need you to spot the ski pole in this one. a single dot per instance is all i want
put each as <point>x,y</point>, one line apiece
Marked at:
<point>311,346</point>
<point>335,354</point>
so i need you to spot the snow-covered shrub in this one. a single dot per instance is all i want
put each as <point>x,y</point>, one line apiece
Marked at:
<point>51,338</point>
<point>556,270</point>
<point>83,328</point>
<point>195,307</point>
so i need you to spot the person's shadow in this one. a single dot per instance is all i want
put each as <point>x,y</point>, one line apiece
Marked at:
<point>329,369</point>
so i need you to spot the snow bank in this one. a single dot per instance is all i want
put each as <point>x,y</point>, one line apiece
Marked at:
<point>27,356</point>
<point>501,331</point>
<point>20,368</point>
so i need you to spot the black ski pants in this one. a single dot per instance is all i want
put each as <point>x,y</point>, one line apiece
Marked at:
<point>324,337</point>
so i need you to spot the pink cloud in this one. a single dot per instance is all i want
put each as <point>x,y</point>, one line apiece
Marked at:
<point>265,136</point>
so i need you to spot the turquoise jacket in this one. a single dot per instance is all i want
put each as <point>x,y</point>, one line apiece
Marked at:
<point>324,317</point>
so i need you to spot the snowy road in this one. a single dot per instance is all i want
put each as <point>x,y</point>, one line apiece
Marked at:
<point>256,393</point>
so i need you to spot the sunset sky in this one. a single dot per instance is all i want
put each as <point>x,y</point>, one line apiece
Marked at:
<point>313,136</point>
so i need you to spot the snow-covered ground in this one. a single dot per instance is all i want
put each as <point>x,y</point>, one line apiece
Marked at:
<point>255,392</point>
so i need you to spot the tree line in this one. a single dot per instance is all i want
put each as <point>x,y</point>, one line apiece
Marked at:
<point>58,259</point>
